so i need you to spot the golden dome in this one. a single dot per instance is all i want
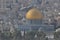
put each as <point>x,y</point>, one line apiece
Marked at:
<point>34,14</point>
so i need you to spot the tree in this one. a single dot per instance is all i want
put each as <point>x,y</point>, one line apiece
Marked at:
<point>20,17</point>
<point>57,35</point>
<point>30,35</point>
<point>18,35</point>
<point>41,35</point>
<point>5,36</point>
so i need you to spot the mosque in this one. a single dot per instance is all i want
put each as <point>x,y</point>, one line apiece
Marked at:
<point>34,19</point>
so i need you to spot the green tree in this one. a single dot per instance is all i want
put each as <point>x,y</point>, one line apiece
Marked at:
<point>30,35</point>
<point>41,35</point>
<point>57,35</point>
<point>5,36</point>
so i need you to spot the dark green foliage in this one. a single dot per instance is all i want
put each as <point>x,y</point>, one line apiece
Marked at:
<point>57,35</point>
<point>17,35</point>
